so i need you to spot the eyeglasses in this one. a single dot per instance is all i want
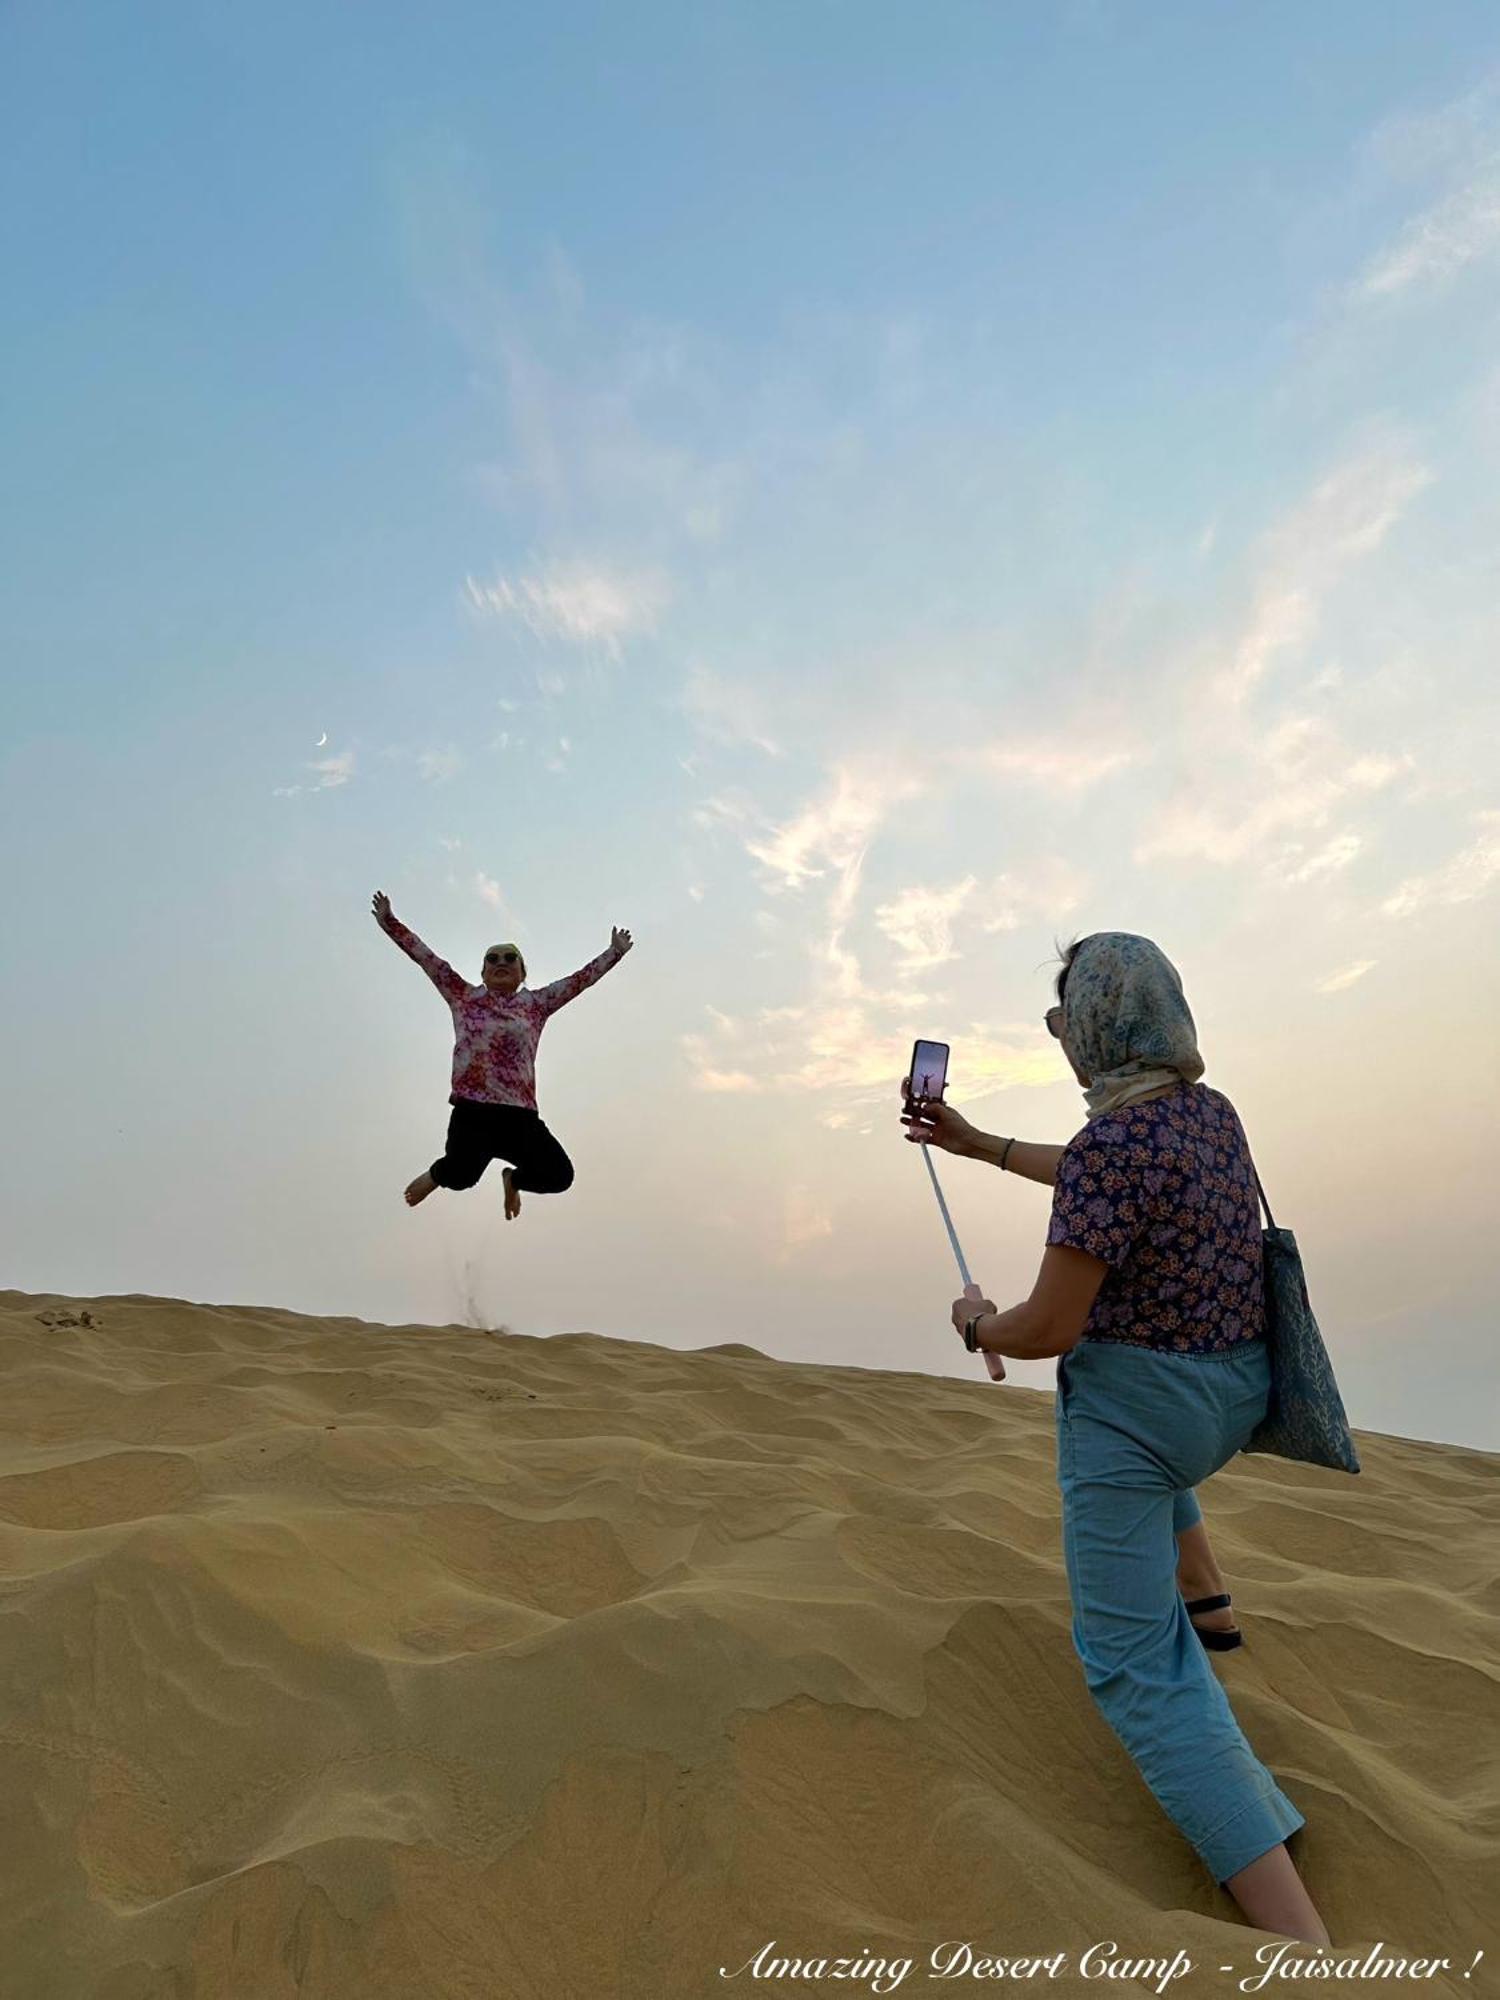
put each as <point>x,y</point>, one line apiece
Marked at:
<point>1054,1022</point>
<point>502,958</point>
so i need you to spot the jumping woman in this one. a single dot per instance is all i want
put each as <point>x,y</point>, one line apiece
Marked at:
<point>496,1027</point>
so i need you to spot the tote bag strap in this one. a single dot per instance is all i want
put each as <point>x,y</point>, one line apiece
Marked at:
<point>1261,1191</point>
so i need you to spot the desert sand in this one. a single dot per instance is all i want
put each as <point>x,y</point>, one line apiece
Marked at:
<point>353,1660</point>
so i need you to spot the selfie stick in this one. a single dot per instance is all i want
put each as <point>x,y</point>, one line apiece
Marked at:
<point>963,1269</point>
<point>991,1361</point>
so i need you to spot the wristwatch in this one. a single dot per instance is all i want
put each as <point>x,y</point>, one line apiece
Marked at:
<point>969,1333</point>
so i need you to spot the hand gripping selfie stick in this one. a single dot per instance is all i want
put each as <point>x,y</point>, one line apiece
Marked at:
<point>991,1361</point>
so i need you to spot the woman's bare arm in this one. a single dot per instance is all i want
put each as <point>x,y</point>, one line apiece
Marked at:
<point>1032,1161</point>
<point>945,1126</point>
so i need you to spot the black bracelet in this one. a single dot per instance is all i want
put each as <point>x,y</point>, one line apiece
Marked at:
<point>1006,1154</point>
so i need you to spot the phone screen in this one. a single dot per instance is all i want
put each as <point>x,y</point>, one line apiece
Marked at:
<point>929,1069</point>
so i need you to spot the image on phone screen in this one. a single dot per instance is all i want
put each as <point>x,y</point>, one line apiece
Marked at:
<point>929,1069</point>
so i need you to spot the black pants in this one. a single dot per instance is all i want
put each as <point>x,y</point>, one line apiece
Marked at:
<point>479,1133</point>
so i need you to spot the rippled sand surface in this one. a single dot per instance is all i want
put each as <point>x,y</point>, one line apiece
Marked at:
<point>364,1661</point>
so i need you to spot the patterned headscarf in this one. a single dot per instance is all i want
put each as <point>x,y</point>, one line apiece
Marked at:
<point>1126,1021</point>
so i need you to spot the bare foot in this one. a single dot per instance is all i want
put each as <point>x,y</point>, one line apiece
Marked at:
<point>512,1198</point>
<point>420,1188</point>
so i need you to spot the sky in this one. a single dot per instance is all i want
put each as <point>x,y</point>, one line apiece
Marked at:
<point>858,495</point>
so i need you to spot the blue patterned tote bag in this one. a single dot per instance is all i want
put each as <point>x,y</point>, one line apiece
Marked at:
<point>1305,1414</point>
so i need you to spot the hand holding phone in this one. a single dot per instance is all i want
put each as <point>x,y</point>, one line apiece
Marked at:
<point>928,1121</point>
<point>941,1126</point>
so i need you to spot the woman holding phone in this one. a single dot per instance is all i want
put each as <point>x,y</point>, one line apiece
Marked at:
<point>1150,1298</point>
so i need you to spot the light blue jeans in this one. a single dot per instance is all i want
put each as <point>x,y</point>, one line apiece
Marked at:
<point>1137,1429</point>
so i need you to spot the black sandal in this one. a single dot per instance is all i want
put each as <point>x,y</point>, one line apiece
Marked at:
<point>1218,1642</point>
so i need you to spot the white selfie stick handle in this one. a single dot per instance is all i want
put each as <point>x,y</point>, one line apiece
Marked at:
<point>991,1361</point>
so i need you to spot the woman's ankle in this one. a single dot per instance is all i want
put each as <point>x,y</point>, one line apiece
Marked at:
<point>1274,1898</point>
<point>1198,1572</point>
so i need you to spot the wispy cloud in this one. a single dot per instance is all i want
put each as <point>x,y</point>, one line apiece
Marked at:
<point>585,604</point>
<point>1261,788</point>
<point>1458,230</point>
<point>923,921</point>
<point>732,809</point>
<point>831,837</point>
<point>1222,755</point>
<point>1444,139</point>
<point>1453,152</point>
<point>920,921</point>
<point>1345,517</point>
<point>706,1073</point>
<point>848,1040</point>
<point>1053,762</point>
<point>833,831</point>
<point>335,770</point>
<point>829,1041</point>
<point>728,711</point>
<point>598,422</point>
<point>330,773</point>
<point>1329,859</point>
<point>1285,793</point>
<point>1257,798</point>
<point>1047,889</point>
<point>1335,982</point>
<point>439,764</point>
<point>1463,878</point>
<point>853,1056</point>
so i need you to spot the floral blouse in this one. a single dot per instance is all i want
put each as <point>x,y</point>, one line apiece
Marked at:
<point>1165,1193</point>
<point>495,1036</point>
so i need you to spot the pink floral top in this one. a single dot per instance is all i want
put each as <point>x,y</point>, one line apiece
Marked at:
<point>495,1037</point>
<point>1165,1193</point>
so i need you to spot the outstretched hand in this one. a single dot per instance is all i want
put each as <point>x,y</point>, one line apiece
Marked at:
<point>930,1122</point>
<point>380,903</point>
<point>620,940</point>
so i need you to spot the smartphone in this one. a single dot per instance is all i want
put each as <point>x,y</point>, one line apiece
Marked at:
<point>928,1077</point>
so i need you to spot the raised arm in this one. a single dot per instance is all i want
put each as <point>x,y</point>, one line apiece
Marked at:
<point>448,982</point>
<point>561,991</point>
<point>945,1126</point>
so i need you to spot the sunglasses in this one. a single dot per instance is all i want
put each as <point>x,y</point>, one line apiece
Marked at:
<point>502,958</point>
<point>1054,1022</point>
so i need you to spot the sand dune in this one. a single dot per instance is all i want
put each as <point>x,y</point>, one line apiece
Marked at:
<point>367,1661</point>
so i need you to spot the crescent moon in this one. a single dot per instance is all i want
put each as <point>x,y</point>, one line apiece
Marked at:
<point>321,740</point>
